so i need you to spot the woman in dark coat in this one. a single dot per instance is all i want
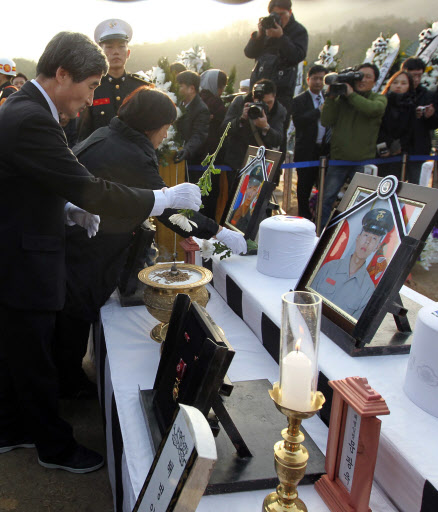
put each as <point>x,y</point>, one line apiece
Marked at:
<point>124,151</point>
<point>397,128</point>
<point>213,82</point>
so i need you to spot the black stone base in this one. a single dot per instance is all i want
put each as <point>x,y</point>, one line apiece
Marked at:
<point>260,424</point>
<point>387,340</point>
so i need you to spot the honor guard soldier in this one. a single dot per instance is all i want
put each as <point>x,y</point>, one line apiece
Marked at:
<point>7,71</point>
<point>113,37</point>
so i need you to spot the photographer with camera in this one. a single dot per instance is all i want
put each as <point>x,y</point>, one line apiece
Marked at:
<point>278,46</point>
<point>354,113</point>
<point>257,119</point>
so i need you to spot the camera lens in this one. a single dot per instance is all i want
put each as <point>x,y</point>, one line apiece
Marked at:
<point>255,111</point>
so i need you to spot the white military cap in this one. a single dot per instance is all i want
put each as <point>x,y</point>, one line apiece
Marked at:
<point>113,29</point>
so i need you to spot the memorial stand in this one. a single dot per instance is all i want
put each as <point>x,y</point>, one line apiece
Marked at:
<point>352,445</point>
<point>190,247</point>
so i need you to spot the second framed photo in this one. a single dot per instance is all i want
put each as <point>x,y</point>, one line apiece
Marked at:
<point>251,192</point>
<point>364,256</point>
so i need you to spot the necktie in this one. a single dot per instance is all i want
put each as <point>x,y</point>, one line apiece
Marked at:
<point>328,130</point>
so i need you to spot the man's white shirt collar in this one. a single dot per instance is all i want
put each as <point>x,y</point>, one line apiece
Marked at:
<point>314,96</point>
<point>53,109</point>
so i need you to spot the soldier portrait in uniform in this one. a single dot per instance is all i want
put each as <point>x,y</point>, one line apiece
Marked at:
<point>356,260</point>
<point>245,198</point>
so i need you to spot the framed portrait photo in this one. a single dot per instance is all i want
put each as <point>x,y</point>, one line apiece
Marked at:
<point>251,192</point>
<point>365,255</point>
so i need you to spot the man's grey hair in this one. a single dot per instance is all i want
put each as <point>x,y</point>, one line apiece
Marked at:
<point>74,52</point>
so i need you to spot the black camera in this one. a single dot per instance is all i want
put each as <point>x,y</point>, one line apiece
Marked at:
<point>270,21</point>
<point>257,108</point>
<point>337,82</point>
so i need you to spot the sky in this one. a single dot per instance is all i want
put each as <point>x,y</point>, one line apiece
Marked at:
<point>34,23</point>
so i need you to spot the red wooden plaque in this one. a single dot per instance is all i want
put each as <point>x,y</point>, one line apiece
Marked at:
<point>352,445</point>
<point>190,247</point>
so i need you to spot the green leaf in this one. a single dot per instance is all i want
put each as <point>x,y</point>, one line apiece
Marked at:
<point>206,160</point>
<point>186,212</point>
<point>204,182</point>
<point>251,245</point>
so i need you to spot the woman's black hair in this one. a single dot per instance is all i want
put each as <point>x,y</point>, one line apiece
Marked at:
<point>147,109</point>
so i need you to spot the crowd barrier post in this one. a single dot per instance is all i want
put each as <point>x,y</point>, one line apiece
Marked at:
<point>435,175</point>
<point>287,183</point>
<point>322,171</point>
<point>404,166</point>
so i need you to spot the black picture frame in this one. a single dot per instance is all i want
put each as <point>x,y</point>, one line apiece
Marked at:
<point>414,211</point>
<point>193,337</point>
<point>258,163</point>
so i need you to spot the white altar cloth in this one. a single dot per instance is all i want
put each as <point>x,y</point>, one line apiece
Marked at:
<point>131,361</point>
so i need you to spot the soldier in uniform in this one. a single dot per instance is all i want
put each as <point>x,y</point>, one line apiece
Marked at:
<point>7,71</point>
<point>346,282</point>
<point>113,36</point>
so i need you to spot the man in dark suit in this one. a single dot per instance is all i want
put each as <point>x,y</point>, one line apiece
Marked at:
<point>194,123</point>
<point>310,142</point>
<point>38,173</point>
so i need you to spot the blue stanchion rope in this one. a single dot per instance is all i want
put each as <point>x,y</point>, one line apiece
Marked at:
<point>315,163</point>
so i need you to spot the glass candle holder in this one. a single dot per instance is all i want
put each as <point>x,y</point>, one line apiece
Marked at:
<point>300,327</point>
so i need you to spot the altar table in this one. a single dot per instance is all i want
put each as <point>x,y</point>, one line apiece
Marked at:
<point>126,360</point>
<point>407,463</point>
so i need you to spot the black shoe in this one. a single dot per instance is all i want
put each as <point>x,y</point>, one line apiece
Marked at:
<point>7,446</point>
<point>82,460</point>
<point>84,390</point>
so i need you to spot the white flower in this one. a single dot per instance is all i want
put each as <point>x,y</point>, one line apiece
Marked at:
<point>182,221</point>
<point>327,56</point>
<point>193,59</point>
<point>158,75</point>
<point>207,250</point>
<point>430,252</point>
<point>169,140</point>
<point>143,74</point>
<point>430,77</point>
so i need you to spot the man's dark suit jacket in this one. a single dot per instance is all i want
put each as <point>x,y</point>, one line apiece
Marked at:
<point>193,126</point>
<point>305,118</point>
<point>38,173</point>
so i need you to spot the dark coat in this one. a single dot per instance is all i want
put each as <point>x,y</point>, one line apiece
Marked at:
<point>291,48</point>
<point>305,118</point>
<point>107,99</point>
<point>398,121</point>
<point>193,127</point>
<point>217,111</point>
<point>422,141</point>
<point>38,173</point>
<point>124,155</point>
<point>6,89</point>
<point>240,135</point>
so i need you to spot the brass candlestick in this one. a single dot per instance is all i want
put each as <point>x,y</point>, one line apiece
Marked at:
<point>290,457</point>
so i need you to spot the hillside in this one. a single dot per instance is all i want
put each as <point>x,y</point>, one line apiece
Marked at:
<point>225,47</point>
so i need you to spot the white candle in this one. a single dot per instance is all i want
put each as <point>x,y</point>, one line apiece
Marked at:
<point>296,382</point>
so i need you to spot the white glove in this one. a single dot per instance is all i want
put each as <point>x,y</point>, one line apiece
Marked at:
<point>233,240</point>
<point>75,215</point>
<point>185,195</point>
